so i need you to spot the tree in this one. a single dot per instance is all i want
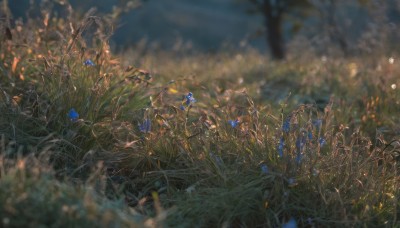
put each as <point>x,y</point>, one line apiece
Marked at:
<point>274,12</point>
<point>327,14</point>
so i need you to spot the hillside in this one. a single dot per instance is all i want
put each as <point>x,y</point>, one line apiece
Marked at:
<point>91,138</point>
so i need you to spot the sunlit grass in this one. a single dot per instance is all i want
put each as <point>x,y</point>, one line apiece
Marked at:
<point>228,139</point>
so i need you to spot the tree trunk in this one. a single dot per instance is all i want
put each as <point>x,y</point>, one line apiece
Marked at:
<point>273,24</point>
<point>275,37</point>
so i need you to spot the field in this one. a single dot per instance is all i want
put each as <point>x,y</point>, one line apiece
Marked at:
<point>90,138</point>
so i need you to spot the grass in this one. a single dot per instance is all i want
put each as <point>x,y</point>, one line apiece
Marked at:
<point>316,139</point>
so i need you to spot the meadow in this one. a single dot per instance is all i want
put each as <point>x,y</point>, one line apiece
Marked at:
<point>90,138</point>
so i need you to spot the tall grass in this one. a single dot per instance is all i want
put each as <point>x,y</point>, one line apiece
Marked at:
<point>256,144</point>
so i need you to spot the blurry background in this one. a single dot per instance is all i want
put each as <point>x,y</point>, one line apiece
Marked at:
<point>205,24</point>
<point>343,27</point>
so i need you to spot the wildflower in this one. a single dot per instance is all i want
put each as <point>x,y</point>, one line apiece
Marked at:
<point>291,182</point>
<point>233,123</point>
<point>191,189</point>
<point>322,141</point>
<point>280,147</point>
<point>310,136</point>
<point>88,62</point>
<point>299,157</point>
<point>315,172</point>
<point>73,115</point>
<point>145,127</point>
<point>286,126</point>
<point>190,99</point>
<point>286,194</point>
<point>300,142</point>
<point>264,169</point>
<point>217,158</point>
<point>317,123</point>
<point>290,224</point>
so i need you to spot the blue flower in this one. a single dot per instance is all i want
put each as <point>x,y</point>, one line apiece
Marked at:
<point>182,108</point>
<point>322,141</point>
<point>299,157</point>
<point>310,136</point>
<point>88,62</point>
<point>292,182</point>
<point>280,147</point>
<point>300,142</point>
<point>317,123</point>
<point>145,127</point>
<point>217,159</point>
<point>315,172</point>
<point>264,169</point>
<point>233,123</point>
<point>190,99</point>
<point>290,224</point>
<point>286,125</point>
<point>73,115</point>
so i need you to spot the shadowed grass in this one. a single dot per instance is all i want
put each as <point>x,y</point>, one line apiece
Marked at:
<point>31,196</point>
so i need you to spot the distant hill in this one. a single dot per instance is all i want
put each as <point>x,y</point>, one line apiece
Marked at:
<point>205,24</point>
<point>209,24</point>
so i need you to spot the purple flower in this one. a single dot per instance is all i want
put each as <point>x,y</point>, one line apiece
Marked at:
<point>73,115</point>
<point>88,62</point>
<point>145,127</point>
<point>286,125</point>
<point>190,99</point>
<point>322,141</point>
<point>264,169</point>
<point>280,147</point>
<point>233,123</point>
<point>290,224</point>
<point>182,108</point>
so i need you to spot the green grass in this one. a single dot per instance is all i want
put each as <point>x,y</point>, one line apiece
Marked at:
<point>192,168</point>
<point>32,197</point>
